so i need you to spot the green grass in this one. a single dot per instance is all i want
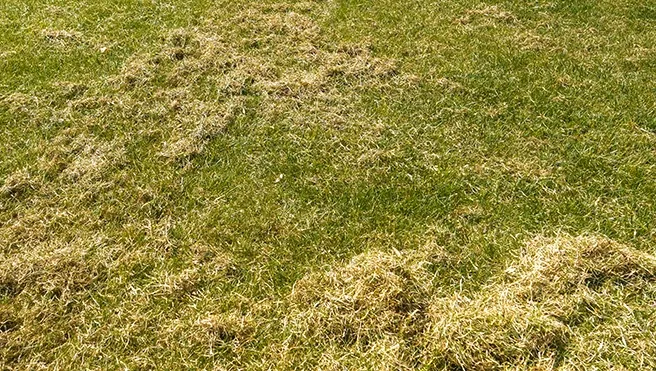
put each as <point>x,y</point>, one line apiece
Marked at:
<point>197,184</point>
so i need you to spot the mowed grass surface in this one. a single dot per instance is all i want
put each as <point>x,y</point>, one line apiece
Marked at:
<point>327,184</point>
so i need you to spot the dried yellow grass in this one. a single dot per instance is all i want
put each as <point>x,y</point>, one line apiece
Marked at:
<point>295,73</point>
<point>384,307</point>
<point>487,15</point>
<point>18,183</point>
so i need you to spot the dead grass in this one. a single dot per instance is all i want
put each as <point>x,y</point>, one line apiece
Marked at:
<point>376,293</point>
<point>91,159</point>
<point>19,103</point>
<point>53,268</point>
<point>206,123</point>
<point>373,308</point>
<point>17,184</point>
<point>386,308</point>
<point>486,16</point>
<point>294,73</point>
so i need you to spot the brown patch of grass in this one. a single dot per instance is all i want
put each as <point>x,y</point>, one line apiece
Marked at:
<point>490,333</point>
<point>19,103</point>
<point>295,73</point>
<point>375,305</point>
<point>487,16</point>
<point>527,318</point>
<point>90,159</point>
<point>51,270</point>
<point>41,287</point>
<point>383,307</point>
<point>520,168</point>
<point>135,72</point>
<point>207,123</point>
<point>18,184</point>
<point>231,327</point>
<point>561,265</point>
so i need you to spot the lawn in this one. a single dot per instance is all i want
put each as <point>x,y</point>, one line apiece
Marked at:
<point>329,184</point>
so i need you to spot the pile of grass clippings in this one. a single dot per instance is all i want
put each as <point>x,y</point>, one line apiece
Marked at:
<point>565,302</point>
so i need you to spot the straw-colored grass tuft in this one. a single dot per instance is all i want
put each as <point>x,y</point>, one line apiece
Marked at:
<point>529,315</point>
<point>375,305</point>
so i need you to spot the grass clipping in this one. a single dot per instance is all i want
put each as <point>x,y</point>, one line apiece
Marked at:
<point>567,302</point>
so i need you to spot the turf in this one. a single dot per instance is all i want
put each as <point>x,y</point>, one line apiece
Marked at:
<point>329,184</point>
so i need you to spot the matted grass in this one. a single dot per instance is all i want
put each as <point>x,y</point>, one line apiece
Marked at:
<point>327,185</point>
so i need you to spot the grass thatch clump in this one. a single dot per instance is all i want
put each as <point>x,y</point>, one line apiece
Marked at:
<point>375,306</point>
<point>17,184</point>
<point>528,316</point>
<point>562,265</point>
<point>371,295</point>
<point>538,313</point>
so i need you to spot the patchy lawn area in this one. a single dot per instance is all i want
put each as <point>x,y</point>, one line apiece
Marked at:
<point>329,184</point>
